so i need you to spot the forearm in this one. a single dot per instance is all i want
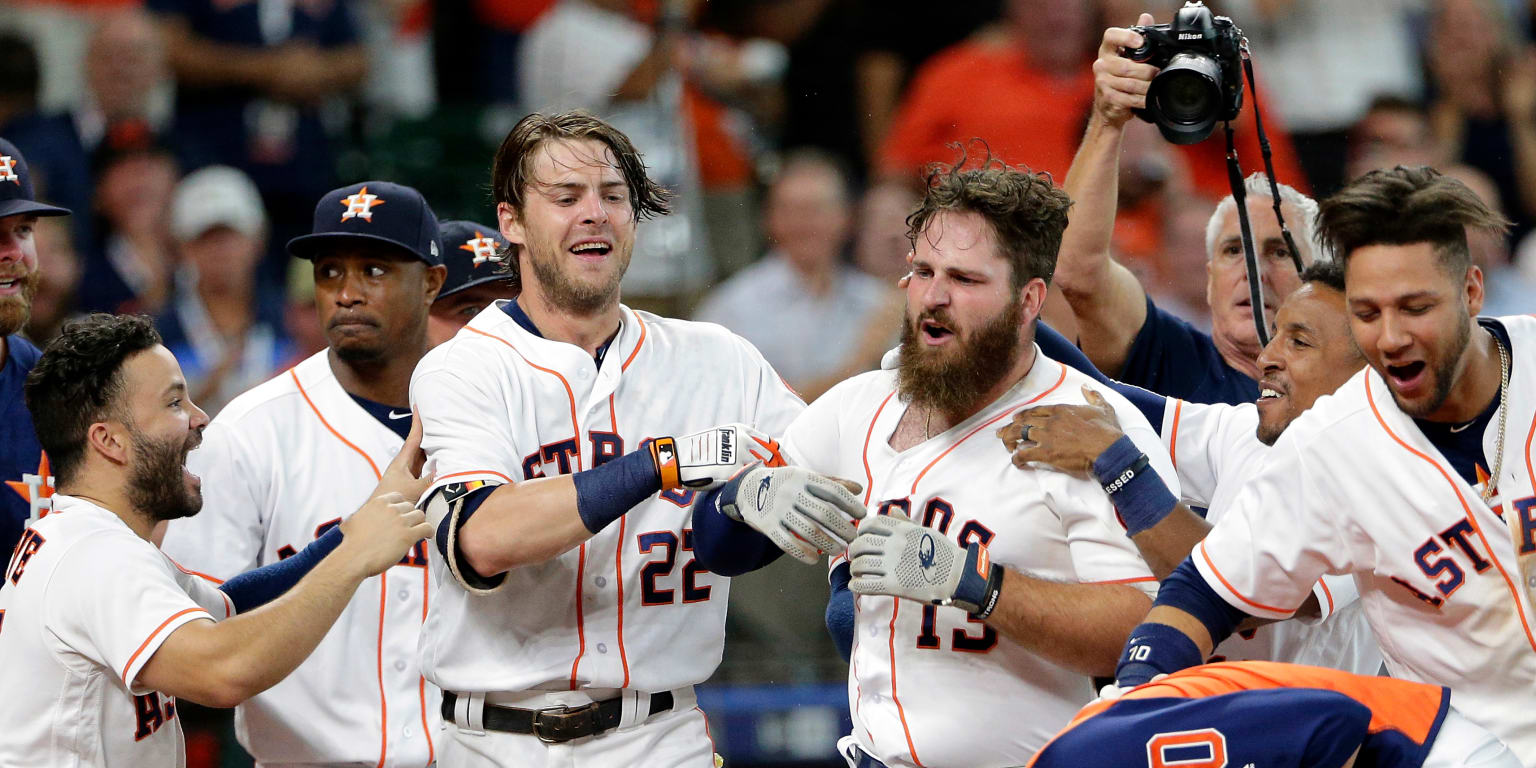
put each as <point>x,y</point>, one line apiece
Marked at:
<point>642,79</point>
<point>523,524</point>
<point>1522,134</point>
<point>199,62</point>
<point>1184,622</point>
<point>344,69</point>
<point>725,546</point>
<point>1170,541</point>
<point>255,588</point>
<point>1079,626</point>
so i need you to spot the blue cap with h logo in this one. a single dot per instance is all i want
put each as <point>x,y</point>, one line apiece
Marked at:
<point>16,195</point>
<point>381,211</point>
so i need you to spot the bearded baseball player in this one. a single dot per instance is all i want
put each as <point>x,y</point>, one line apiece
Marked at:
<point>1414,477</point>
<point>473,255</point>
<point>281,458</point>
<point>100,631</point>
<point>578,601</point>
<point>1014,587</point>
<point>1215,449</point>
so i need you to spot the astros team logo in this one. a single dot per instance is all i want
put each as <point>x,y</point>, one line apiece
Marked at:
<point>484,249</point>
<point>8,169</point>
<point>36,489</point>
<point>360,205</point>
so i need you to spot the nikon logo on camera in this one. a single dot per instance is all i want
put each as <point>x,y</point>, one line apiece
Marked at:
<point>1189,35</point>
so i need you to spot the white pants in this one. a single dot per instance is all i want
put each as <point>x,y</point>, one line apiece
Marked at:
<point>1464,744</point>
<point>677,739</point>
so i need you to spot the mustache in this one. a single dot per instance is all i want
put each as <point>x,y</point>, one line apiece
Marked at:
<point>352,318</point>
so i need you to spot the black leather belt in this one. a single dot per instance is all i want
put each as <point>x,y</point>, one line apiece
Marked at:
<point>556,725</point>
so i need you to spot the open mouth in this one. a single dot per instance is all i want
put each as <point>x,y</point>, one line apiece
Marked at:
<point>592,249</point>
<point>1408,376</point>
<point>935,333</point>
<point>10,286</point>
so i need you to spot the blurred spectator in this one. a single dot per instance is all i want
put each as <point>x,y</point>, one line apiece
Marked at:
<point>1506,290</point>
<point>1179,280</point>
<point>18,78</point>
<point>881,246</point>
<point>400,82</point>
<point>503,24</point>
<point>126,81</point>
<point>127,267</point>
<point>815,305</point>
<point>1393,132</point>
<point>220,232</point>
<point>251,80</point>
<point>1484,89</point>
<point>475,278</point>
<point>1323,61</point>
<point>58,278</point>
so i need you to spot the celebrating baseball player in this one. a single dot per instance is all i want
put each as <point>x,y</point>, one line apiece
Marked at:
<point>473,255</point>
<point>1228,713</point>
<point>22,466</point>
<point>577,602</point>
<point>281,458</point>
<point>101,632</point>
<point>1014,587</point>
<point>1414,477</point>
<point>1215,449</point>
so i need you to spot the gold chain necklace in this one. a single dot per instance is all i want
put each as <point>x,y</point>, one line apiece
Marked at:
<point>1498,461</point>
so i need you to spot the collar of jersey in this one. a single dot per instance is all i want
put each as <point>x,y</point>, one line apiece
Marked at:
<point>520,317</point>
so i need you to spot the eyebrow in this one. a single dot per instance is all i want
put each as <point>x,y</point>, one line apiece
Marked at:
<point>177,387</point>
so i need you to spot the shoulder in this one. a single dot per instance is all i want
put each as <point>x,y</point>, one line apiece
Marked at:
<point>870,387</point>
<point>696,341</point>
<point>22,351</point>
<point>1335,419</point>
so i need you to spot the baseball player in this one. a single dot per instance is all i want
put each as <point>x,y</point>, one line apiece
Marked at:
<point>1013,587</point>
<point>1414,477</point>
<point>322,432</point>
<point>1278,716</point>
<point>23,468</point>
<point>578,601</point>
<point>1216,448</point>
<point>473,255</point>
<point>100,631</point>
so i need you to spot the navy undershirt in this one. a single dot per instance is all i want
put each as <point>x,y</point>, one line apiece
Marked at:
<point>1462,444</point>
<point>398,420</point>
<point>1171,357</point>
<point>20,453</point>
<point>521,318</point>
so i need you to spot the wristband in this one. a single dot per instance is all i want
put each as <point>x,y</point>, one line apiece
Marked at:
<point>605,492</point>
<point>1140,497</point>
<point>1155,649</point>
<point>664,455</point>
<point>981,583</point>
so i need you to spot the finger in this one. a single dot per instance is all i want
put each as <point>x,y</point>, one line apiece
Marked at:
<point>794,546</point>
<point>804,526</point>
<point>874,585</point>
<point>831,522</point>
<point>414,516</point>
<point>421,531</point>
<point>853,488</point>
<point>1096,400</point>
<point>838,494</point>
<point>1144,20</point>
<point>1116,38</point>
<point>866,567</point>
<point>1011,435</point>
<point>1119,67</point>
<point>409,459</point>
<point>1124,87</point>
<point>866,545</point>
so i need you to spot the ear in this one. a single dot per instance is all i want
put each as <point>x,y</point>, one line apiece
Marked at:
<point>1474,290</point>
<point>1031,300</point>
<point>511,226</point>
<point>110,440</point>
<point>432,282</point>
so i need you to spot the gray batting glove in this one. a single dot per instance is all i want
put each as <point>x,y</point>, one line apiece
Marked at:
<point>803,513</point>
<point>892,555</point>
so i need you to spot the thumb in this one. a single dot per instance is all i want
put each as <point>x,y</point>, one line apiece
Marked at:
<point>1144,20</point>
<point>408,462</point>
<point>1095,399</point>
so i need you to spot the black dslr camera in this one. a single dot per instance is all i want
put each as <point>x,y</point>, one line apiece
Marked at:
<point>1201,82</point>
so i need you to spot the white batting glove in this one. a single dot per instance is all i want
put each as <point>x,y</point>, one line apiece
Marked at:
<point>803,513</point>
<point>892,555</point>
<point>703,460</point>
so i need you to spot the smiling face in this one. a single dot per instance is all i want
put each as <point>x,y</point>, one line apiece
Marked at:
<point>576,230</point>
<point>18,271</point>
<point>372,300</point>
<point>162,426</point>
<point>1227,271</point>
<point>964,321</point>
<point>1412,319</point>
<point>1311,355</point>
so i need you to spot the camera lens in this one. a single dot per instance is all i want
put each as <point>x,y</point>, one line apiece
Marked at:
<point>1185,99</point>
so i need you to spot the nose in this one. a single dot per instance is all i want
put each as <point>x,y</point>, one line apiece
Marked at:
<point>199,419</point>
<point>1270,359</point>
<point>934,293</point>
<point>350,294</point>
<point>10,246</point>
<point>592,210</point>
<point>1394,335</point>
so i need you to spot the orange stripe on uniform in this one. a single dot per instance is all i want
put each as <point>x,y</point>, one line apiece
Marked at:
<point>152,635</point>
<point>1173,437</point>
<point>1472,518</point>
<point>869,479</point>
<point>383,701</point>
<point>1134,580</point>
<point>638,344</point>
<point>1233,589</point>
<point>295,374</point>
<point>474,472</point>
<point>900,712</point>
<point>1328,593</point>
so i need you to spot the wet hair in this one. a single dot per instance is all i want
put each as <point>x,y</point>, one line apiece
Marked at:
<point>512,168</point>
<point>1403,206</point>
<point>1325,272</point>
<point>1026,211</point>
<point>78,382</point>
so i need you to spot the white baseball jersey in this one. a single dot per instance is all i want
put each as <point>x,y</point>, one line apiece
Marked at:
<point>630,607</point>
<point>1216,449</point>
<point>927,685</point>
<point>281,465</point>
<point>1354,487</point>
<point>85,605</point>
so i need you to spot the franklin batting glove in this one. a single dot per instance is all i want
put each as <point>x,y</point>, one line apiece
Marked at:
<point>703,460</point>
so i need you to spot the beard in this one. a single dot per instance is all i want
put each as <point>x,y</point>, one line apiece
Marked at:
<point>951,381</point>
<point>16,310</point>
<point>1442,371</point>
<point>155,484</point>
<point>571,293</point>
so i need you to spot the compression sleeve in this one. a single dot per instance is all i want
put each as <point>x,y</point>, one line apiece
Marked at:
<point>260,586</point>
<point>839,616</point>
<point>723,545</point>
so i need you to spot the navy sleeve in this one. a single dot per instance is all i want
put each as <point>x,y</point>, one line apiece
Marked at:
<point>1186,590</point>
<point>723,545</point>
<point>1173,358</point>
<point>472,502</point>
<point>1059,348</point>
<point>260,586</point>
<point>840,610</point>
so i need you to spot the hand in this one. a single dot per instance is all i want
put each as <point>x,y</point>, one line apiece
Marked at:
<point>1518,89</point>
<point>385,528</point>
<point>892,555</point>
<point>297,74</point>
<point>704,460</point>
<point>1119,84</point>
<point>1065,437</point>
<point>803,513</point>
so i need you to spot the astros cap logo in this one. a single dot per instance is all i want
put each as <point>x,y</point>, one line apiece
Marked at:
<point>484,249</point>
<point>8,169</point>
<point>359,205</point>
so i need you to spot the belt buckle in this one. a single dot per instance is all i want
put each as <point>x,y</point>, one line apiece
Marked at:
<point>557,725</point>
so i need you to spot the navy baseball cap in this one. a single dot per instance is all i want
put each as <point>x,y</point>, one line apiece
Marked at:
<point>472,253</point>
<point>16,196</point>
<point>373,210</point>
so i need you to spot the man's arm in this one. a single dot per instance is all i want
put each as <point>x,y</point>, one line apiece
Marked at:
<point>1108,302</point>
<point>297,72</point>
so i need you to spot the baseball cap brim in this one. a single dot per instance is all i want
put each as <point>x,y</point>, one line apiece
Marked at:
<point>491,278</point>
<point>21,207</point>
<point>305,246</point>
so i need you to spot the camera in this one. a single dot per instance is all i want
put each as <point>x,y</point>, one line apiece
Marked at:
<point>1201,82</point>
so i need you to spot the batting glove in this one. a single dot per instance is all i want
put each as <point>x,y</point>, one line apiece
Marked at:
<point>803,513</point>
<point>704,460</point>
<point>892,555</point>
